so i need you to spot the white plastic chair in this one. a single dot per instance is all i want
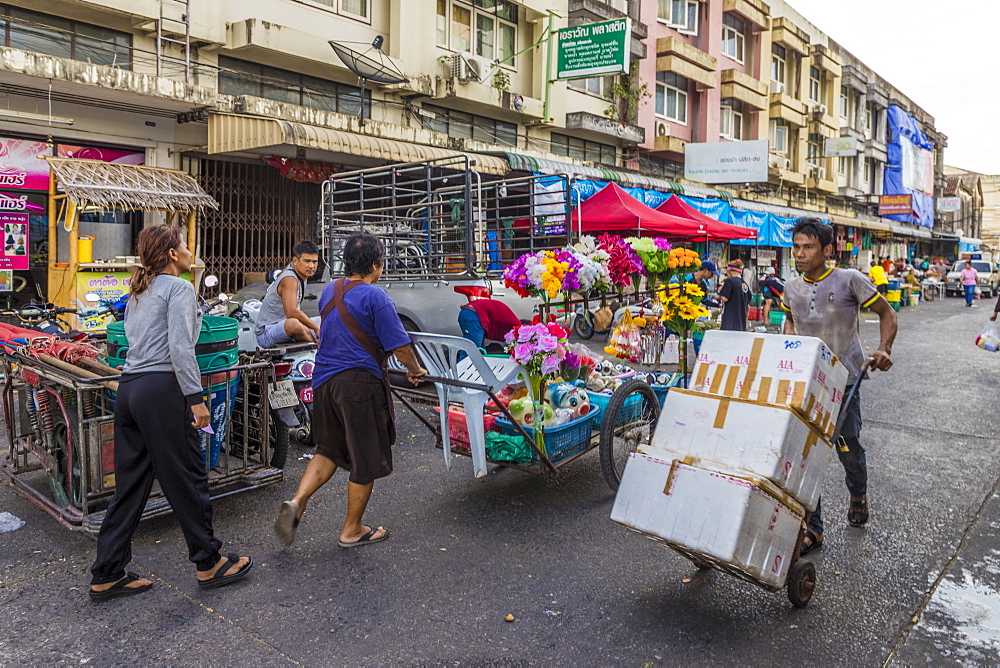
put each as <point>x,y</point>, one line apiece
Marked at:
<point>440,356</point>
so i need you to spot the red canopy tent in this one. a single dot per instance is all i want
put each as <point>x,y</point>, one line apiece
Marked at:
<point>675,206</point>
<point>612,209</point>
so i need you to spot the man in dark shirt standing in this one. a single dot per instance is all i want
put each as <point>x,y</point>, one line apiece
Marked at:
<point>735,295</point>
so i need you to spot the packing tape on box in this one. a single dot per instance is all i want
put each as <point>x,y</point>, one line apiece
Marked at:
<point>798,393</point>
<point>764,393</point>
<point>702,373</point>
<point>755,352</point>
<point>782,396</point>
<point>720,414</point>
<point>720,372</point>
<point>734,376</point>
<point>763,484</point>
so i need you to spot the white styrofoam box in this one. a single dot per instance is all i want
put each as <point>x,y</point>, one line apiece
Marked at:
<point>728,519</point>
<point>773,442</point>
<point>797,371</point>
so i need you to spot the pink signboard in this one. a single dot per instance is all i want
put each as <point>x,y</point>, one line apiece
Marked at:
<point>103,154</point>
<point>18,202</point>
<point>20,166</point>
<point>15,240</point>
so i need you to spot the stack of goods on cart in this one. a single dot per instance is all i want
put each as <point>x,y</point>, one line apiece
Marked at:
<point>739,458</point>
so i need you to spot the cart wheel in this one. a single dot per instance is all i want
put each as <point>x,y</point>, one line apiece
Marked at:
<point>583,325</point>
<point>629,421</point>
<point>278,435</point>
<point>801,582</point>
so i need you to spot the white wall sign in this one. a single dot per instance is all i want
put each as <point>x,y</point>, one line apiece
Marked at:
<point>726,162</point>
<point>840,146</point>
<point>949,204</point>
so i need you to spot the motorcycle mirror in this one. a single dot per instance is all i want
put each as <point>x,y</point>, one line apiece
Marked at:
<point>223,298</point>
<point>211,281</point>
<point>93,297</point>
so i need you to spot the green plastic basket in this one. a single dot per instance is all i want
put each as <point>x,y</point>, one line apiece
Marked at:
<point>216,347</point>
<point>757,299</point>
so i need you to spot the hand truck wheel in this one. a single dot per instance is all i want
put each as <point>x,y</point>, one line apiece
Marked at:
<point>801,583</point>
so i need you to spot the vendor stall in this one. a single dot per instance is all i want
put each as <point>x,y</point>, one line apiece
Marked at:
<point>77,185</point>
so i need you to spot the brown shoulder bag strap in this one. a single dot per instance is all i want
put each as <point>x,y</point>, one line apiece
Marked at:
<point>352,325</point>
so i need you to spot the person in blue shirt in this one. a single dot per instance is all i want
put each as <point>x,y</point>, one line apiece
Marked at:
<point>701,276</point>
<point>353,419</point>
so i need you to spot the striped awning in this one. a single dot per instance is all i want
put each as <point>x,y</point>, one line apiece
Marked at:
<point>229,133</point>
<point>784,211</point>
<point>860,222</point>
<point>528,163</point>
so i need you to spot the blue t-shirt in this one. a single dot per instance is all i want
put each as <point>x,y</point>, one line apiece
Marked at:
<point>338,350</point>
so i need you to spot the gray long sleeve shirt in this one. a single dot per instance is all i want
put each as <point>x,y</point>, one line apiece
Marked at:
<point>162,326</point>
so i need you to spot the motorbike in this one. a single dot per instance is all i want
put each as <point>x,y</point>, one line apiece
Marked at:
<point>292,397</point>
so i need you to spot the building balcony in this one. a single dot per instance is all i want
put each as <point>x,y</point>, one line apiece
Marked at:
<point>823,122</point>
<point>787,108</point>
<point>786,33</point>
<point>854,78</point>
<point>743,87</point>
<point>206,22</point>
<point>675,55</point>
<point>755,11</point>
<point>825,59</point>
<point>786,176</point>
<point>819,180</point>
<point>877,94</point>
<point>669,145</point>
<point>602,128</point>
<point>851,192</point>
<point>475,97</point>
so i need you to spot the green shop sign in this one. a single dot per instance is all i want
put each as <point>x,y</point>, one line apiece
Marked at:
<point>594,49</point>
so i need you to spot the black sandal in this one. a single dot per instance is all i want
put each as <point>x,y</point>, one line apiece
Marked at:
<point>857,513</point>
<point>220,579</point>
<point>815,541</point>
<point>119,589</point>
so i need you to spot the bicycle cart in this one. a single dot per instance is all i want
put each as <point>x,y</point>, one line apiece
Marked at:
<point>464,377</point>
<point>60,427</point>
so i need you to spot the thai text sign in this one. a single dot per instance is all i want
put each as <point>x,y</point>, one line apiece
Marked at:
<point>594,48</point>
<point>840,146</point>
<point>15,240</point>
<point>949,204</point>
<point>726,162</point>
<point>19,164</point>
<point>894,205</point>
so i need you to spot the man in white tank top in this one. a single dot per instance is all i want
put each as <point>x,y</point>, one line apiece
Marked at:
<point>281,319</point>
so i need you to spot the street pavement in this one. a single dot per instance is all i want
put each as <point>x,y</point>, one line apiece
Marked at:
<point>918,586</point>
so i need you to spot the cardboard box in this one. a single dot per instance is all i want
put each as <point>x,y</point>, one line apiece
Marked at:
<point>796,371</point>
<point>772,442</point>
<point>734,521</point>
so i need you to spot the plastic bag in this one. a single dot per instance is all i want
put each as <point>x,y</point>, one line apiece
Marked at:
<point>502,448</point>
<point>989,338</point>
<point>603,318</point>
<point>671,350</point>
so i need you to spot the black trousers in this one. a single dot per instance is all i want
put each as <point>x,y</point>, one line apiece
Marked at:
<point>154,438</point>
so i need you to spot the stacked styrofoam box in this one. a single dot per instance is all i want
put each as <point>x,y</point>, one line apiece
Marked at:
<point>735,462</point>
<point>800,372</point>
<point>722,516</point>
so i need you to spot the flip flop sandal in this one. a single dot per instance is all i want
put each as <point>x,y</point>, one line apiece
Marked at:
<point>366,539</point>
<point>220,579</point>
<point>815,542</point>
<point>119,589</point>
<point>287,523</point>
<point>857,513</point>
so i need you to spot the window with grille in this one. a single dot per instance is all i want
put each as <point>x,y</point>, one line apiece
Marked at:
<point>733,40</point>
<point>64,38</point>
<point>582,149</point>
<point>671,96</point>
<point>462,125</point>
<point>240,77</point>
<point>731,120</point>
<point>486,28</point>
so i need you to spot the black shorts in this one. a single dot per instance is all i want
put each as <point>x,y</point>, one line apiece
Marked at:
<point>352,425</point>
<point>882,289</point>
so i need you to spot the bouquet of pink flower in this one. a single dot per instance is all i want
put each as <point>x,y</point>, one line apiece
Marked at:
<point>623,261</point>
<point>540,349</point>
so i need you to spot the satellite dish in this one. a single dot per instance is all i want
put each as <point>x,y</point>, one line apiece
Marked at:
<point>368,69</point>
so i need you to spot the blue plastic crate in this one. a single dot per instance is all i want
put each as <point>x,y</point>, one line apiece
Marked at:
<point>560,442</point>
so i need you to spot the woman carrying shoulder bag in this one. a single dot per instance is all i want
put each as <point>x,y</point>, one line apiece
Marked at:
<point>159,408</point>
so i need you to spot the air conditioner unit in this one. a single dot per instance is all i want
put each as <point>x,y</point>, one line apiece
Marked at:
<point>465,68</point>
<point>819,173</point>
<point>662,129</point>
<point>775,161</point>
<point>786,163</point>
<point>777,87</point>
<point>819,109</point>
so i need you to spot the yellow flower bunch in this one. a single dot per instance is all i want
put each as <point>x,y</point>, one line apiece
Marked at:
<point>682,258</point>
<point>552,278</point>
<point>681,305</point>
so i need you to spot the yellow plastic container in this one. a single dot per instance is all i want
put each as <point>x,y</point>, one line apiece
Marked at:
<point>893,295</point>
<point>85,248</point>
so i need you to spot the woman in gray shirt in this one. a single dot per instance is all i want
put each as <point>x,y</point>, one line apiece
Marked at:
<point>158,409</point>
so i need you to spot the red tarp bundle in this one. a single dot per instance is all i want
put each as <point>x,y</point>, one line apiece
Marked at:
<point>675,206</point>
<point>612,209</point>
